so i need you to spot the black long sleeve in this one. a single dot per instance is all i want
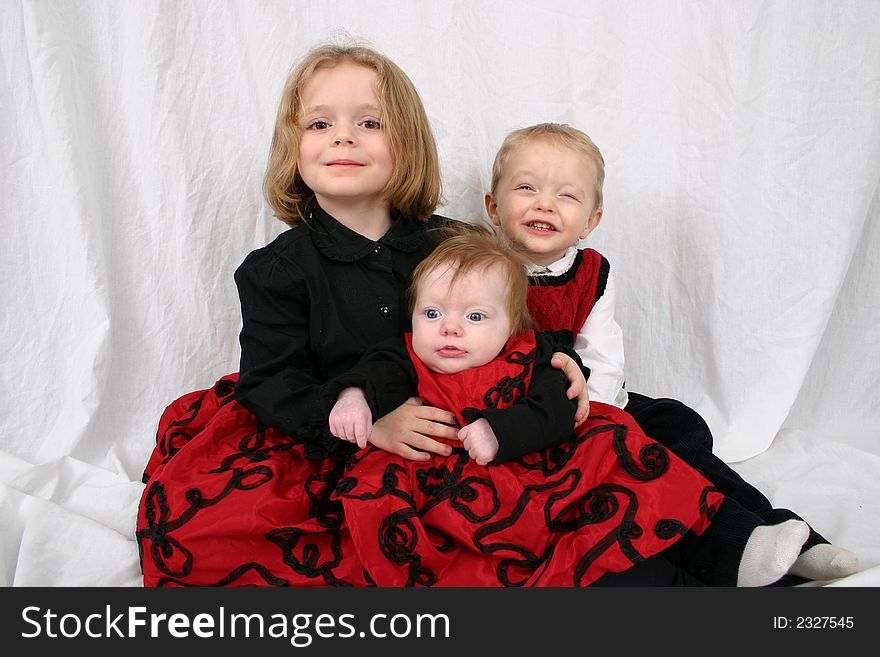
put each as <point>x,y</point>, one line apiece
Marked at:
<point>544,417</point>
<point>384,373</point>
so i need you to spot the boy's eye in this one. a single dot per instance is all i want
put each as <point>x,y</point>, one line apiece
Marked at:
<point>431,313</point>
<point>524,186</point>
<point>371,124</point>
<point>476,317</point>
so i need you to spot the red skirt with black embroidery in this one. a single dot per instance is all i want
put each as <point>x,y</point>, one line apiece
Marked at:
<point>229,501</point>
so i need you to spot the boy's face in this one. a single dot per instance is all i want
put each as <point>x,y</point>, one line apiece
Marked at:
<point>545,200</point>
<point>461,326</point>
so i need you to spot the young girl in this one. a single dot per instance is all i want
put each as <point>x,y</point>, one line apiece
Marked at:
<point>554,508</point>
<point>546,196</point>
<point>239,485</point>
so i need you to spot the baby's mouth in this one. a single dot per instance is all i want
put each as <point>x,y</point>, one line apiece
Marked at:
<point>448,351</point>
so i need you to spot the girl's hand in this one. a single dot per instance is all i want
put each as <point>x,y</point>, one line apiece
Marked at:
<point>479,440</point>
<point>350,418</point>
<point>578,384</point>
<point>407,430</point>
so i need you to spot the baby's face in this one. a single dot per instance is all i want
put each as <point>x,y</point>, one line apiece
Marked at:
<point>463,325</point>
<point>545,200</point>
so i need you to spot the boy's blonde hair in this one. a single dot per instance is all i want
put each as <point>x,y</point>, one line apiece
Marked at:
<point>559,134</point>
<point>414,187</point>
<point>472,247</point>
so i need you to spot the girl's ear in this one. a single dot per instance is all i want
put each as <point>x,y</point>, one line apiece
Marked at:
<point>492,209</point>
<point>592,222</point>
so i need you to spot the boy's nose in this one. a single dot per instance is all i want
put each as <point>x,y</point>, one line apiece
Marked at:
<point>544,203</point>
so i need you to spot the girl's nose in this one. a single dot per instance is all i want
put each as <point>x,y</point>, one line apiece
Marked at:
<point>343,136</point>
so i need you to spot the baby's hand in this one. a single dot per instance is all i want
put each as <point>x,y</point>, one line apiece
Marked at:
<point>350,418</point>
<point>479,440</point>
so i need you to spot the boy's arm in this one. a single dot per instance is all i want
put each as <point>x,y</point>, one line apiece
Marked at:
<point>543,418</point>
<point>599,343</point>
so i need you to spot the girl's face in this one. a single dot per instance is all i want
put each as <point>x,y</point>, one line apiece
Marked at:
<point>461,326</point>
<point>344,154</point>
<point>545,200</point>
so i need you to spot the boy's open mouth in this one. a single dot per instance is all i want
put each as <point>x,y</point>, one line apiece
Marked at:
<point>541,226</point>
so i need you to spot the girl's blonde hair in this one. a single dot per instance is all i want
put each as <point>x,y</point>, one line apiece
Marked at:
<point>559,134</point>
<point>414,187</point>
<point>473,247</point>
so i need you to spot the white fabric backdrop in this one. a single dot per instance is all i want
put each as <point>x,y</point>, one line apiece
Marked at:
<point>742,143</point>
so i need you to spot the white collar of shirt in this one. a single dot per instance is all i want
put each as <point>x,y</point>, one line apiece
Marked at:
<point>556,268</point>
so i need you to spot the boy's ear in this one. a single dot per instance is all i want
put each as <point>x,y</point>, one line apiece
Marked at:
<point>592,222</point>
<point>492,209</point>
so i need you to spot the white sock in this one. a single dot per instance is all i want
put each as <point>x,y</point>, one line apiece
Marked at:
<point>824,561</point>
<point>770,552</point>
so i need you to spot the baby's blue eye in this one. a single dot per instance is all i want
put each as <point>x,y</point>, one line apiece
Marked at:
<point>431,313</point>
<point>476,317</point>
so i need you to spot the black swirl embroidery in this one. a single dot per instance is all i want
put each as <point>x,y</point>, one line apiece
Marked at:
<point>311,554</point>
<point>473,497</point>
<point>509,388</point>
<point>232,578</point>
<point>169,556</point>
<point>622,535</point>
<point>180,432</point>
<point>252,449</point>
<point>705,509</point>
<point>669,528</point>
<point>399,541</point>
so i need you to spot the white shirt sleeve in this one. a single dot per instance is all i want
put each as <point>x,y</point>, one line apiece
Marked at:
<point>600,346</point>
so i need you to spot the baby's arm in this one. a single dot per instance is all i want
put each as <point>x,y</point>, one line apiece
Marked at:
<point>350,417</point>
<point>599,343</point>
<point>480,441</point>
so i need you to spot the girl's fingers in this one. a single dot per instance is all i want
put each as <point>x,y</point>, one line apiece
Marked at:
<point>436,415</point>
<point>426,444</point>
<point>411,454</point>
<point>437,430</point>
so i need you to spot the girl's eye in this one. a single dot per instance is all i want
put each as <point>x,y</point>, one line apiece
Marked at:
<point>371,124</point>
<point>317,125</point>
<point>476,317</point>
<point>431,313</point>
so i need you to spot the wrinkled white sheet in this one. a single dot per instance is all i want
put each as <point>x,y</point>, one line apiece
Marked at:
<point>742,143</point>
